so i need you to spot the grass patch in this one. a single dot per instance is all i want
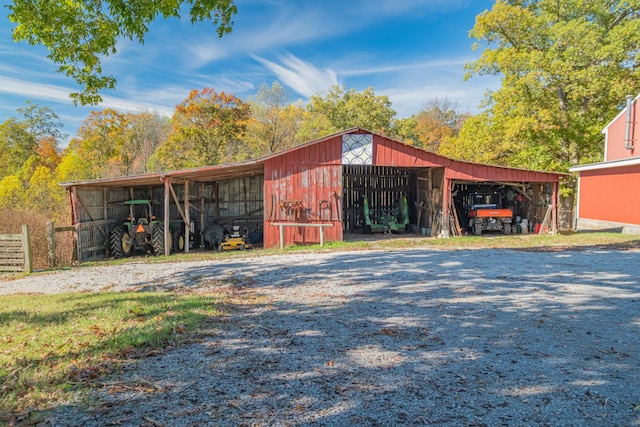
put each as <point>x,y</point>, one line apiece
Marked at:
<point>52,344</point>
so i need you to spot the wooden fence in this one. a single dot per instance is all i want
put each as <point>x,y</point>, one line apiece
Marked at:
<point>90,241</point>
<point>15,252</point>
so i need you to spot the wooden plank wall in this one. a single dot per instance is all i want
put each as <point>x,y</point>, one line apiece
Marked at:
<point>15,252</point>
<point>304,185</point>
<point>93,239</point>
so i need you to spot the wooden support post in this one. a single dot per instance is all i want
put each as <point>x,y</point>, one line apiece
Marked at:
<point>202,213</point>
<point>187,218</point>
<point>51,240</point>
<point>26,248</point>
<point>167,232</point>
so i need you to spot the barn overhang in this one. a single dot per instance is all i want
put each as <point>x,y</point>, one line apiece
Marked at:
<point>163,187</point>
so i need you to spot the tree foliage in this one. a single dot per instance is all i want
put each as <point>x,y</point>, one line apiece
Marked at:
<point>275,121</point>
<point>79,34</point>
<point>11,192</point>
<point>340,110</point>
<point>16,146</point>
<point>565,67</point>
<point>207,127</point>
<point>438,122</point>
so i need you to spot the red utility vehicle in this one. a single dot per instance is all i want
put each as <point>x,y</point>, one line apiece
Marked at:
<point>485,212</point>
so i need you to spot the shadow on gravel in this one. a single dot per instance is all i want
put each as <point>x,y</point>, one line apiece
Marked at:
<point>410,337</point>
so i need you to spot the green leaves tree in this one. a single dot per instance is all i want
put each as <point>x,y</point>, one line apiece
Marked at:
<point>79,34</point>
<point>275,121</point>
<point>340,109</point>
<point>565,68</point>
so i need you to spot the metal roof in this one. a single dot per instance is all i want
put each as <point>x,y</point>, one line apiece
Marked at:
<point>243,169</point>
<point>201,174</point>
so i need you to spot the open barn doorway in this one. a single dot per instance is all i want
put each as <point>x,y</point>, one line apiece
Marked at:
<point>528,206</point>
<point>390,200</point>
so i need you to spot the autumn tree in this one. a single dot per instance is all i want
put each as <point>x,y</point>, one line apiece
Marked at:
<point>565,68</point>
<point>29,141</point>
<point>405,130</point>
<point>80,34</point>
<point>274,123</point>
<point>102,144</point>
<point>340,109</point>
<point>437,122</point>
<point>11,192</point>
<point>30,154</point>
<point>207,127</point>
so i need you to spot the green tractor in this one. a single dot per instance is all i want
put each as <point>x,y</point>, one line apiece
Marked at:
<point>143,231</point>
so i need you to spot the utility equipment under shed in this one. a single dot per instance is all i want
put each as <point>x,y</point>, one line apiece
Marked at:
<point>305,195</point>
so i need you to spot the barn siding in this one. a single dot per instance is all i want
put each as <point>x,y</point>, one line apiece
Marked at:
<point>610,195</point>
<point>311,175</point>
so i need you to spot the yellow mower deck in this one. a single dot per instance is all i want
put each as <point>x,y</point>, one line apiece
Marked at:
<point>235,243</point>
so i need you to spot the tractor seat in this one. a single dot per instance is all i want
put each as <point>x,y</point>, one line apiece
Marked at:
<point>143,221</point>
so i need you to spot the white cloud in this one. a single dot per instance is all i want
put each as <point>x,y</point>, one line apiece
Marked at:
<point>60,94</point>
<point>34,90</point>
<point>301,76</point>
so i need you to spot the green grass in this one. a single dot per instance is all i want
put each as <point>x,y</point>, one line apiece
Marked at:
<point>52,344</point>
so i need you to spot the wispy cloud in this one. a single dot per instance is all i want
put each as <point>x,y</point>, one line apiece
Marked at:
<point>60,94</point>
<point>33,90</point>
<point>303,77</point>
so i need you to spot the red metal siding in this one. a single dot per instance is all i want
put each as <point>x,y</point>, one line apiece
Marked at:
<point>616,133</point>
<point>610,195</point>
<point>387,152</point>
<point>311,175</point>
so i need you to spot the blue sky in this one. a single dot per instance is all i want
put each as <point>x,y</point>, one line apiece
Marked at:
<point>410,50</point>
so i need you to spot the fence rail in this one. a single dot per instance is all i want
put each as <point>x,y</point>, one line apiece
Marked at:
<point>15,252</point>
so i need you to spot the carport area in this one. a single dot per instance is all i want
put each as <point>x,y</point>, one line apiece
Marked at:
<point>184,202</point>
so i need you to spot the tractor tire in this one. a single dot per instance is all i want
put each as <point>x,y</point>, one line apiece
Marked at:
<point>120,243</point>
<point>477,229</point>
<point>157,240</point>
<point>506,228</point>
<point>177,239</point>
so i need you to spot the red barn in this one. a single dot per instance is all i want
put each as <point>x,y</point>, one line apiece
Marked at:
<point>316,192</point>
<point>608,195</point>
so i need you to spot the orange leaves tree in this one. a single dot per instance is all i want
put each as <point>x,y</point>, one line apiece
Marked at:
<point>207,127</point>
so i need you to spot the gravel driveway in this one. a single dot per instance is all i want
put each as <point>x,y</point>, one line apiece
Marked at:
<point>402,337</point>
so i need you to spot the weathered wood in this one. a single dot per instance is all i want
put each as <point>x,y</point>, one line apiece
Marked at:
<point>167,191</point>
<point>301,224</point>
<point>187,219</point>
<point>51,243</point>
<point>92,237</point>
<point>26,248</point>
<point>12,256</point>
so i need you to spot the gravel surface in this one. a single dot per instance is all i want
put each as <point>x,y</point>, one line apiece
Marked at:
<point>402,337</point>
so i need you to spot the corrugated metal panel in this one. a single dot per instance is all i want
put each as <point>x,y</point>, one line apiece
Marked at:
<point>302,186</point>
<point>388,152</point>
<point>611,195</point>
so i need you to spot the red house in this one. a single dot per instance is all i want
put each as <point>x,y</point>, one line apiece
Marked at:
<point>608,192</point>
